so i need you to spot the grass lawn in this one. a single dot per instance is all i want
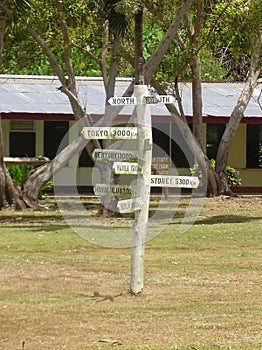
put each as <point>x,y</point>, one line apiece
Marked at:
<point>203,287</point>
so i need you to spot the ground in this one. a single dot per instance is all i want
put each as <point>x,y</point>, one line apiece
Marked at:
<point>202,287</point>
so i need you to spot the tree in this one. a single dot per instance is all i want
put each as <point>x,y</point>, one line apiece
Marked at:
<point>60,40</point>
<point>10,193</point>
<point>42,174</point>
<point>238,112</point>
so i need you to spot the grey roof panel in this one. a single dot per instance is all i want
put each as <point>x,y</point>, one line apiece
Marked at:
<point>41,94</point>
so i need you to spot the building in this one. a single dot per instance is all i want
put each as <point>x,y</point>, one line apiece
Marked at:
<point>36,116</point>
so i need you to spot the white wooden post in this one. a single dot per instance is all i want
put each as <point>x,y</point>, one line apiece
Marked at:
<point>143,189</point>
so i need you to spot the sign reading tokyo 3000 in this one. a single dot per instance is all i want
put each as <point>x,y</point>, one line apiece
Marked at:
<point>121,133</point>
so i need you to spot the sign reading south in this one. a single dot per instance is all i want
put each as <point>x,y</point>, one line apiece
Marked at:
<point>99,132</point>
<point>152,100</point>
<point>174,181</point>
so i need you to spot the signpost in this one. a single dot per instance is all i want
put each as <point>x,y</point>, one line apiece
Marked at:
<point>126,168</point>
<point>107,132</point>
<point>139,163</point>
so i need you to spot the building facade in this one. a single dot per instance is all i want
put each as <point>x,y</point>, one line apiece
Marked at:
<point>36,117</point>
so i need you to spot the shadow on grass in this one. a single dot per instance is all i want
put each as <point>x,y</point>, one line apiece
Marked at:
<point>226,219</point>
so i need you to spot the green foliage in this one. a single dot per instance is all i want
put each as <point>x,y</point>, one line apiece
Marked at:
<point>233,35</point>
<point>19,174</point>
<point>233,175</point>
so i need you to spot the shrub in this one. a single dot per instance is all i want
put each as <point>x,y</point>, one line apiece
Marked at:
<point>19,174</point>
<point>233,175</point>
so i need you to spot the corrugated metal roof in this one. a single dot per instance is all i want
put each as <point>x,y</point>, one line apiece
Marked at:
<point>40,94</point>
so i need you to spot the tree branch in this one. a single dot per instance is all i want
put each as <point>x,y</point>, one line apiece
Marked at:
<point>67,56</point>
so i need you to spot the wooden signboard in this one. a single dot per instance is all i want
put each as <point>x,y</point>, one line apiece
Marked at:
<point>129,205</point>
<point>125,168</point>
<point>160,165</point>
<point>114,190</point>
<point>107,132</point>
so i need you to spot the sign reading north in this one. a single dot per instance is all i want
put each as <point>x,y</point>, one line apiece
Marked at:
<point>125,168</point>
<point>120,133</point>
<point>112,155</point>
<point>174,181</point>
<point>129,205</point>
<point>122,101</point>
<point>114,190</point>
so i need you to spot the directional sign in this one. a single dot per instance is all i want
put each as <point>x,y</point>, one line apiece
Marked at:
<point>152,100</point>
<point>120,133</point>
<point>114,155</point>
<point>125,168</point>
<point>122,101</point>
<point>129,205</point>
<point>174,181</point>
<point>114,190</point>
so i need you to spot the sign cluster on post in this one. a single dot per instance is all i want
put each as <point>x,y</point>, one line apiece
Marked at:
<point>125,161</point>
<point>138,163</point>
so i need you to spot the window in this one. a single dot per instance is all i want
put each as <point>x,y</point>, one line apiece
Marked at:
<point>85,160</point>
<point>22,144</point>
<point>214,134</point>
<point>160,132</point>
<point>254,146</point>
<point>54,132</point>
<point>181,155</point>
<point>22,138</point>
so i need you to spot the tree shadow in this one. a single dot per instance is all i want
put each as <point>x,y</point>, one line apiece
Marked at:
<point>226,219</point>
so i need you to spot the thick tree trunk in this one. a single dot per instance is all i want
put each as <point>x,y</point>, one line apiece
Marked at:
<point>38,177</point>
<point>10,193</point>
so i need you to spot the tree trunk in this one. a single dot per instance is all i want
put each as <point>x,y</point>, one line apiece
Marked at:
<point>139,74</point>
<point>238,112</point>
<point>197,100</point>
<point>3,202</point>
<point>152,64</point>
<point>38,177</point>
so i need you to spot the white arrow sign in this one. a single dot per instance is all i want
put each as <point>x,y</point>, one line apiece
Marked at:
<point>114,155</point>
<point>174,181</point>
<point>125,168</point>
<point>99,132</point>
<point>152,100</point>
<point>129,205</point>
<point>114,190</point>
<point>122,101</point>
